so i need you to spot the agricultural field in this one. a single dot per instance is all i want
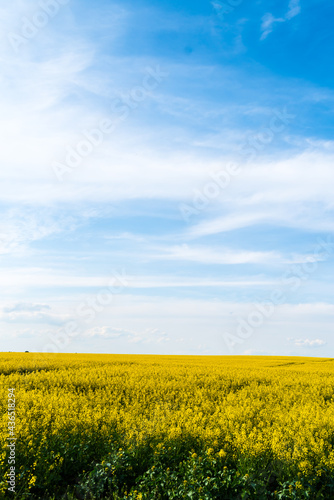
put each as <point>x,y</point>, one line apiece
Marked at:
<point>167,427</point>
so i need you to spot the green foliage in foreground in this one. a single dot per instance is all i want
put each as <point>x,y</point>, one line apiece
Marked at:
<point>175,472</point>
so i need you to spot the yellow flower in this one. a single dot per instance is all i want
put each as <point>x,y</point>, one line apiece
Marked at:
<point>32,481</point>
<point>246,406</point>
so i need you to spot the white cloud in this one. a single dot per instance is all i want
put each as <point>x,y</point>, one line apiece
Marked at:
<point>267,25</point>
<point>33,317</point>
<point>290,192</point>
<point>125,236</point>
<point>223,255</point>
<point>160,323</point>
<point>148,336</point>
<point>308,342</point>
<point>285,192</point>
<point>231,222</point>
<point>268,20</point>
<point>26,333</point>
<point>106,332</point>
<point>33,313</point>
<point>52,102</point>
<point>41,277</point>
<point>207,255</point>
<point>253,352</point>
<point>294,9</point>
<point>18,229</point>
<point>26,306</point>
<point>129,164</point>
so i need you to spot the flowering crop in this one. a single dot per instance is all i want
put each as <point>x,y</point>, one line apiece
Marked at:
<point>203,427</point>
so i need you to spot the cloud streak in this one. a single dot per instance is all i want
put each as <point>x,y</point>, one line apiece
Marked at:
<point>268,20</point>
<point>314,343</point>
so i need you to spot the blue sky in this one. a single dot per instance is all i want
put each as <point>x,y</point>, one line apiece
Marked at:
<point>167,177</point>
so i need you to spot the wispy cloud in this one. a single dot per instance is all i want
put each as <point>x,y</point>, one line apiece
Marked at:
<point>288,192</point>
<point>28,314</point>
<point>228,256</point>
<point>294,9</point>
<point>207,255</point>
<point>268,20</point>
<point>41,277</point>
<point>308,343</point>
<point>26,307</point>
<point>148,336</point>
<point>18,229</point>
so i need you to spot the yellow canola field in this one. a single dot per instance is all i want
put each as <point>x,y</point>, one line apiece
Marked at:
<point>277,408</point>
